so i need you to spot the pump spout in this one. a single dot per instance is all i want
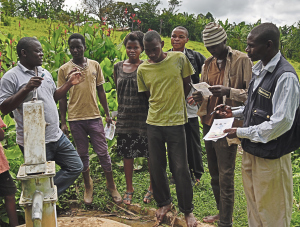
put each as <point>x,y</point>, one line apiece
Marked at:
<point>37,208</point>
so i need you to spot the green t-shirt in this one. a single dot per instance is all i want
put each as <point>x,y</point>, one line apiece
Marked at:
<point>164,81</point>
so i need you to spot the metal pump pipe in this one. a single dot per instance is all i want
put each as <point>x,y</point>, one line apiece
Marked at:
<point>37,208</point>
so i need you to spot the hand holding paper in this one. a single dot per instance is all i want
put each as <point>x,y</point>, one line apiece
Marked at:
<point>217,129</point>
<point>231,132</point>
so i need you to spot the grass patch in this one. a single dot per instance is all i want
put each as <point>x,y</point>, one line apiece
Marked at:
<point>204,201</point>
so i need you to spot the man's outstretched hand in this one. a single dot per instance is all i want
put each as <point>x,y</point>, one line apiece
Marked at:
<point>231,132</point>
<point>219,90</point>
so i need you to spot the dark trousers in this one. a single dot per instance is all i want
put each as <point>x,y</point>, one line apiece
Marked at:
<point>221,164</point>
<point>194,150</point>
<point>174,136</point>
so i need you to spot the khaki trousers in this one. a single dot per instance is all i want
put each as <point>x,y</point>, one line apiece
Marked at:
<point>268,185</point>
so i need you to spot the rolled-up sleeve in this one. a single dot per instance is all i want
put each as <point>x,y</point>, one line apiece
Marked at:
<point>285,103</point>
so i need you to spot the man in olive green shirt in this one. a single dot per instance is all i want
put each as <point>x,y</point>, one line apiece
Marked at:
<point>165,78</point>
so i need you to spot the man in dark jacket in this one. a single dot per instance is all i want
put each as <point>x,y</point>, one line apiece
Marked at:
<point>273,98</point>
<point>179,38</point>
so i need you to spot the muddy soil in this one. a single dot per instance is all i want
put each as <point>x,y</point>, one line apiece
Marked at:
<point>123,216</point>
<point>127,219</point>
<point>132,216</point>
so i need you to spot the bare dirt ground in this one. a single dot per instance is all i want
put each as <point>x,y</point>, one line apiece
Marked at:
<point>120,216</point>
<point>133,215</point>
<point>88,222</point>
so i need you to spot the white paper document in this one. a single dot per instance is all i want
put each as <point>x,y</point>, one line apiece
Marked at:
<point>217,128</point>
<point>110,131</point>
<point>203,88</point>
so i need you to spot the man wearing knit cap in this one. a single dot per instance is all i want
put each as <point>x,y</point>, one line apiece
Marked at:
<point>228,72</point>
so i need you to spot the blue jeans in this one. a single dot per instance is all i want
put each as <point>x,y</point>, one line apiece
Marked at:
<point>64,155</point>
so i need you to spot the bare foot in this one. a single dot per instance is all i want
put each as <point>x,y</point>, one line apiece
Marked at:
<point>162,211</point>
<point>190,220</point>
<point>211,219</point>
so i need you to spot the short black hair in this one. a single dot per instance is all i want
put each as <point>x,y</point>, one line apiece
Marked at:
<point>76,36</point>
<point>136,35</point>
<point>265,32</point>
<point>24,43</point>
<point>151,35</point>
<point>182,28</point>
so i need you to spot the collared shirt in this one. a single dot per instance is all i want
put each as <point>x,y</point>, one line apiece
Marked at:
<point>14,80</point>
<point>237,75</point>
<point>83,104</point>
<point>285,102</point>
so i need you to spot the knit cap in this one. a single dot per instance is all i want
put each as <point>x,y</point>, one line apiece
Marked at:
<point>213,34</point>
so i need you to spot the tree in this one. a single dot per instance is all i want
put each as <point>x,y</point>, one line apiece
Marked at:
<point>209,16</point>
<point>41,9</point>
<point>9,7</point>
<point>173,4</point>
<point>117,13</point>
<point>149,15</point>
<point>56,5</point>
<point>25,8</point>
<point>96,7</point>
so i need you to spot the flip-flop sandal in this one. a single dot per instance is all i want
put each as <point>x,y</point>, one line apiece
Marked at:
<point>148,197</point>
<point>115,195</point>
<point>127,197</point>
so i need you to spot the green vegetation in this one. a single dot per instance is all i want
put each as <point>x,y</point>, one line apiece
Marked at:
<point>108,50</point>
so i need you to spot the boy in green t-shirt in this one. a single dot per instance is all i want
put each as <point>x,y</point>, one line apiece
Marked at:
<point>165,78</point>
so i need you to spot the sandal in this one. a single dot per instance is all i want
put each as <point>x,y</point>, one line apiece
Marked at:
<point>148,196</point>
<point>115,195</point>
<point>127,197</point>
